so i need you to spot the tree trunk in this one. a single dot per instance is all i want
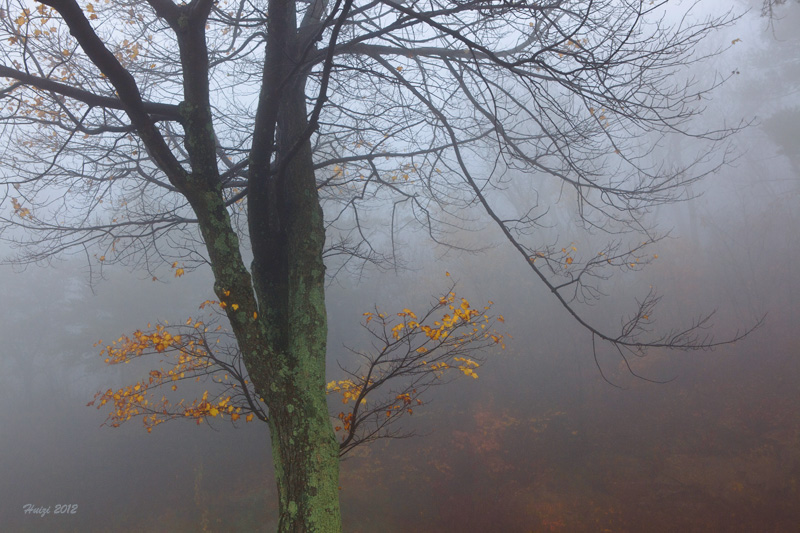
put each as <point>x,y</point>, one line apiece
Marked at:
<point>304,451</point>
<point>304,447</point>
<point>277,311</point>
<point>287,234</point>
<point>282,332</point>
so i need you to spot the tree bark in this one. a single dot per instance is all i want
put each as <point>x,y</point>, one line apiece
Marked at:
<point>304,447</point>
<point>287,234</point>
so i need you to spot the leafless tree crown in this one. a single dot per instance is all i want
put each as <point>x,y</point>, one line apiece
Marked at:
<point>420,113</point>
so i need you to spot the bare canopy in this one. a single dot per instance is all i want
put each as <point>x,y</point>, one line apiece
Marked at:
<point>151,133</point>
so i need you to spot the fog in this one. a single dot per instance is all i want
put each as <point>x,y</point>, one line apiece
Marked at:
<point>549,438</point>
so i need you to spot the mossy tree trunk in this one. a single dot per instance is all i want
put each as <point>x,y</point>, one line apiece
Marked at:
<point>277,309</point>
<point>287,234</point>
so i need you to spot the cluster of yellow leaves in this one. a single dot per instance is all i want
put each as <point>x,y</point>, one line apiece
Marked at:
<point>128,52</point>
<point>349,389</point>
<point>403,402</point>
<point>574,44</point>
<point>134,400</point>
<point>577,43</point>
<point>566,258</point>
<point>190,360</point>
<point>344,176</point>
<point>208,302</point>
<point>431,344</point>
<point>223,304</point>
<point>42,14</point>
<point>21,212</point>
<point>600,115</point>
<point>467,366</point>
<point>220,407</point>
<point>37,107</point>
<point>90,9</point>
<point>178,270</point>
<point>459,315</point>
<point>405,172</point>
<point>126,348</point>
<point>346,420</point>
<point>536,256</point>
<point>23,18</point>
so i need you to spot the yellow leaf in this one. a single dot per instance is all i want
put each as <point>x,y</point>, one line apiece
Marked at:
<point>235,306</point>
<point>249,417</point>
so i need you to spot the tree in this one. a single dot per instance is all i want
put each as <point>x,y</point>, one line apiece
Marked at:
<point>768,8</point>
<point>153,133</point>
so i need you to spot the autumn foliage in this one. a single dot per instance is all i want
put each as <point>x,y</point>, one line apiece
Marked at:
<point>408,353</point>
<point>195,351</point>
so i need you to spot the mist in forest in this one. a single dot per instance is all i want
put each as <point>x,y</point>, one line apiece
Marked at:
<point>551,437</point>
